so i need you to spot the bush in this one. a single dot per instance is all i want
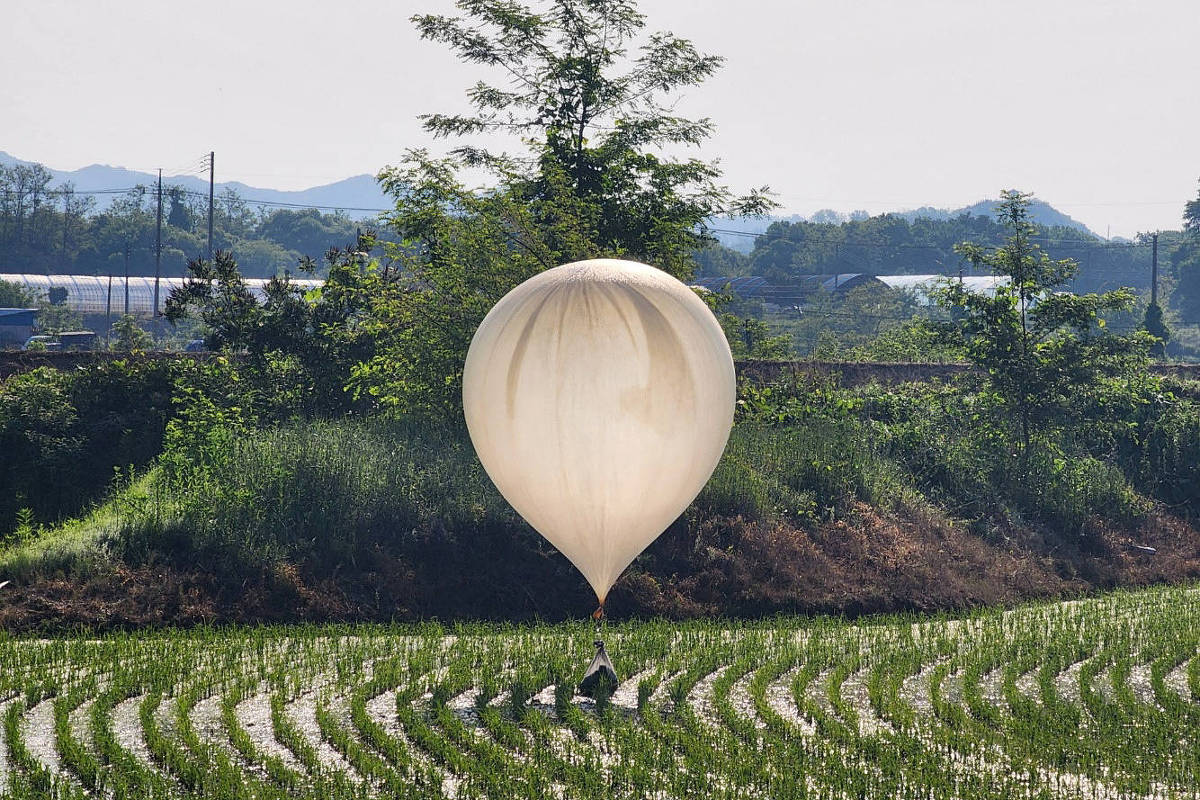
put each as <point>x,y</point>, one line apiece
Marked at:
<point>1166,462</point>
<point>64,433</point>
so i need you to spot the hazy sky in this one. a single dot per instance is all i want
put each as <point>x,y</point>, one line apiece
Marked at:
<point>872,104</point>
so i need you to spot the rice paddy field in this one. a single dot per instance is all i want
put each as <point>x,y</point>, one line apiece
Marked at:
<point>1095,698</point>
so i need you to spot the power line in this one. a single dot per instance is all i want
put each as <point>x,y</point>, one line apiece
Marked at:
<point>176,189</point>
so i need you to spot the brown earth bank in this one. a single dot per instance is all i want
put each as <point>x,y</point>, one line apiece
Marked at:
<point>873,563</point>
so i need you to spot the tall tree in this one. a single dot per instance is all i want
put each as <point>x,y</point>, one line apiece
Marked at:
<point>1186,260</point>
<point>75,209</point>
<point>1191,217</point>
<point>587,92</point>
<point>1041,349</point>
<point>24,188</point>
<point>180,215</point>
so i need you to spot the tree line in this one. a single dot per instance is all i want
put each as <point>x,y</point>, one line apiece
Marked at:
<point>890,244</point>
<point>53,228</point>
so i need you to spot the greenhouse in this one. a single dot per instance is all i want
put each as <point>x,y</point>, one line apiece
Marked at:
<point>91,294</point>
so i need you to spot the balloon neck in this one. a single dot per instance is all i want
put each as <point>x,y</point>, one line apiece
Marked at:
<point>598,614</point>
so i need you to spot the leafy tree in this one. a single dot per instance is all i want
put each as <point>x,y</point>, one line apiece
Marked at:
<point>586,93</point>
<point>1044,351</point>
<point>179,215</point>
<point>889,244</point>
<point>1191,217</point>
<point>124,234</point>
<point>216,292</point>
<point>24,192</point>
<point>235,217</point>
<point>298,343</point>
<point>307,230</point>
<point>130,338</point>
<point>423,305</point>
<point>587,96</point>
<point>56,317</point>
<point>716,260</point>
<point>1186,262</point>
<point>920,339</point>
<point>752,338</point>
<point>14,295</point>
<point>73,222</point>
<point>1154,324</point>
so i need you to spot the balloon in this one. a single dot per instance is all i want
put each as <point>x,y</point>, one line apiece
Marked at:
<point>599,396</point>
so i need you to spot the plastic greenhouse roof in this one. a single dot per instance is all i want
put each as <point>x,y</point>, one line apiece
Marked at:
<point>92,294</point>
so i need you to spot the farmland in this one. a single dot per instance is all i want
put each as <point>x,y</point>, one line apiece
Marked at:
<point>1094,698</point>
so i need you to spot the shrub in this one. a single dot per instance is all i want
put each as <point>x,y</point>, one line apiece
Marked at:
<point>63,433</point>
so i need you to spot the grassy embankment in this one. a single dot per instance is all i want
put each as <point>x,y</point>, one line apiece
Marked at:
<point>827,499</point>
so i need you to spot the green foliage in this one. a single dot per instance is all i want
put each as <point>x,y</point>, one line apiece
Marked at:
<point>751,338</point>
<point>423,305</point>
<point>1186,296</point>
<point>130,337</point>
<point>594,183</point>
<point>301,345</point>
<point>322,493</point>
<point>1191,217</point>
<point>56,318</point>
<point>720,261</point>
<point>14,295</point>
<point>27,529</point>
<point>217,293</point>
<point>848,325</point>
<point>63,433</point>
<point>1154,324</point>
<point>1093,697</point>
<point>1041,349</point>
<point>589,95</point>
<point>891,245</point>
<point>1185,261</point>
<point>819,470</point>
<point>46,229</point>
<point>920,340</point>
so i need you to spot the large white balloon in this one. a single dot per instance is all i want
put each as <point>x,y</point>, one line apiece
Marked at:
<point>599,396</point>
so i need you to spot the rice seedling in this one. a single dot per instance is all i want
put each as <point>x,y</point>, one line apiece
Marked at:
<point>1094,698</point>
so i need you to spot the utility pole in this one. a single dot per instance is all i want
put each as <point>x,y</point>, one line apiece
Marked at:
<point>211,158</point>
<point>66,223</point>
<point>1154,273</point>
<point>158,247</point>
<point>127,278</point>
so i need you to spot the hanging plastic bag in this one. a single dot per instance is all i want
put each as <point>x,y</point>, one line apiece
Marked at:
<point>601,670</point>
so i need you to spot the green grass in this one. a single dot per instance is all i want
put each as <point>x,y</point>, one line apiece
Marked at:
<point>76,546</point>
<point>1094,698</point>
<point>329,493</point>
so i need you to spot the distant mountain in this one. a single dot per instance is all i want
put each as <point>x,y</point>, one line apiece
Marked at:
<point>739,234</point>
<point>358,196</point>
<point>361,196</point>
<point>1040,212</point>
